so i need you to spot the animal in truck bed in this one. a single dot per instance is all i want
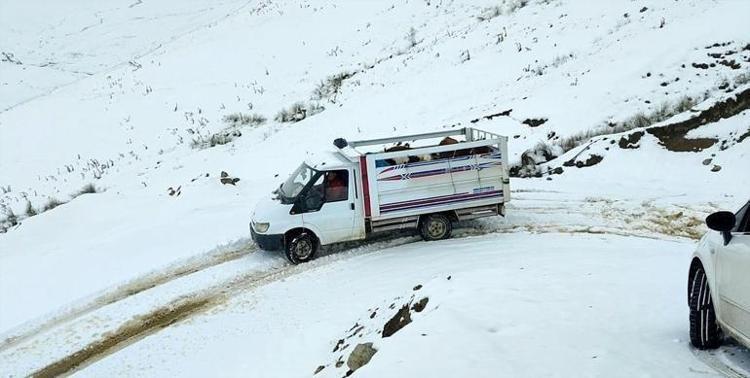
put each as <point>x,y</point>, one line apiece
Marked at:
<point>424,182</point>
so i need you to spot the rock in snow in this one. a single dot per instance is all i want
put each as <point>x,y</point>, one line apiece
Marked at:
<point>360,356</point>
<point>398,321</point>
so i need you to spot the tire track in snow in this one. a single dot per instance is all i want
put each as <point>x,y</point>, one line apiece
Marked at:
<point>605,215</point>
<point>119,333</point>
<point>138,327</point>
<point>143,325</point>
<point>131,288</point>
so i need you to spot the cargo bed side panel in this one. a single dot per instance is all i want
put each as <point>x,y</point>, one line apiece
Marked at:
<point>433,184</point>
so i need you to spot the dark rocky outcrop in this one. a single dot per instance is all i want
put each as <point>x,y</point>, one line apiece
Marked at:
<point>534,122</point>
<point>593,159</point>
<point>398,321</point>
<point>673,136</point>
<point>420,305</point>
<point>631,140</point>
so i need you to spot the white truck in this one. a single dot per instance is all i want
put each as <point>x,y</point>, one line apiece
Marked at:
<point>423,182</point>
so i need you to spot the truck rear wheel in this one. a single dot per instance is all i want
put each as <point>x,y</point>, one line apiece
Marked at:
<point>435,227</point>
<point>301,248</point>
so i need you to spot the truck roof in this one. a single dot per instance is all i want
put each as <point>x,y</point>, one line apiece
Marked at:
<point>327,160</point>
<point>349,153</point>
<point>352,150</point>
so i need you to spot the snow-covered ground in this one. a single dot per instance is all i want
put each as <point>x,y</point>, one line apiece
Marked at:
<point>510,305</point>
<point>126,95</point>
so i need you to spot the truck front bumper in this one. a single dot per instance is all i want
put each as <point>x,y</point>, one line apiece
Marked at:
<point>270,242</point>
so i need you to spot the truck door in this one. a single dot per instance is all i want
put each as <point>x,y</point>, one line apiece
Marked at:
<point>334,219</point>
<point>733,277</point>
<point>490,170</point>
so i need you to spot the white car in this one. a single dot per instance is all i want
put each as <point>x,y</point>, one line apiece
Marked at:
<point>719,281</point>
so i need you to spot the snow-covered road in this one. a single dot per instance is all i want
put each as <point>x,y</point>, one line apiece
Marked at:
<point>519,304</point>
<point>587,256</point>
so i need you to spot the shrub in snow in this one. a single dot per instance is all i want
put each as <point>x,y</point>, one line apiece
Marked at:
<point>241,119</point>
<point>684,104</point>
<point>298,111</point>
<point>562,59</point>
<point>742,78</point>
<point>411,37</point>
<point>30,210</point>
<point>220,138</point>
<point>575,140</point>
<point>88,188</point>
<point>638,120</point>
<point>662,112</point>
<point>330,88</point>
<point>229,133</point>
<point>51,204</point>
<point>8,220</point>
<point>505,7</point>
<point>490,13</point>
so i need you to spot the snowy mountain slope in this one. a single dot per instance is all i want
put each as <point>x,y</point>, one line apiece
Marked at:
<point>52,45</point>
<point>135,83</point>
<point>200,75</point>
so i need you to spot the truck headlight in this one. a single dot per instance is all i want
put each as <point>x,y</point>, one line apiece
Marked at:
<point>261,227</point>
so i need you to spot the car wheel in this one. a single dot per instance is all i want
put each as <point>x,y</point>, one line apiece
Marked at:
<point>435,227</point>
<point>704,330</point>
<point>301,248</point>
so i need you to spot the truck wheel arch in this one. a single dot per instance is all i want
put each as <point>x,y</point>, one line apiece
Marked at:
<point>298,230</point>
<point>451,215</point>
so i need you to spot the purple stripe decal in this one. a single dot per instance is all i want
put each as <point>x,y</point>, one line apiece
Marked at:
<point>443,202</point>
<point>439,161</point>
<point>409,202</point>
<point>438,200</point>
<point>442,171</point>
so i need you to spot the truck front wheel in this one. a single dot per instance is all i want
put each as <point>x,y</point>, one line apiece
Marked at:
<point>435,227</point>
<point>301,248</point>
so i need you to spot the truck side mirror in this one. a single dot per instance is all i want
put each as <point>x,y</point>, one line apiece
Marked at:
<point>722,221</point>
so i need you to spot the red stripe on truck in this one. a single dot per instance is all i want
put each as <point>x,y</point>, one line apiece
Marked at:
<point>365,185</point>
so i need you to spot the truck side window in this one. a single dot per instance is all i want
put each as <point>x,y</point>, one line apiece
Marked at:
<point>337,185</point>
<point>314,198</point>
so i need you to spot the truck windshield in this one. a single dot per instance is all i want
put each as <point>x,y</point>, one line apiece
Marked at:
<point>291,188</point>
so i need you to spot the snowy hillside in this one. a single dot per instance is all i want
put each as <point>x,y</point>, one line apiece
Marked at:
<point>629,122</point>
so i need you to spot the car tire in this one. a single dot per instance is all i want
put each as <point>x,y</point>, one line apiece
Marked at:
<point>435,227</point>
<point>705,332</point>
<point>301,248</point>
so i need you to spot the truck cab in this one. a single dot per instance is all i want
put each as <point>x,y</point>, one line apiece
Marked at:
<point>320,201</point>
